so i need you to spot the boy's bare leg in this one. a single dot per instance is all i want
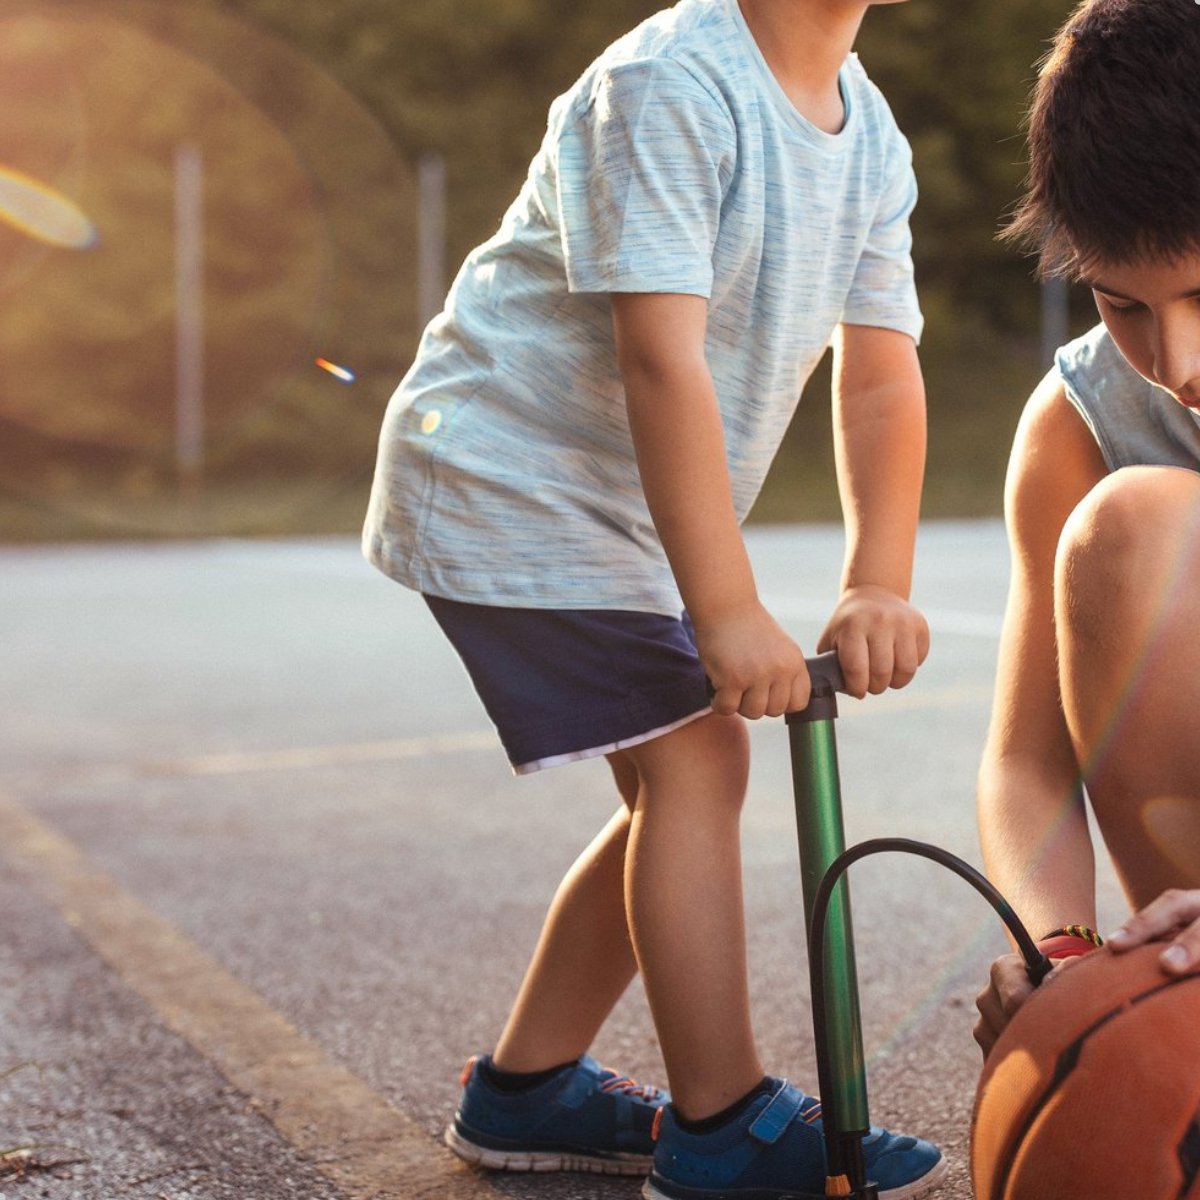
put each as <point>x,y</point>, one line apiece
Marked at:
<point>675,867</point>
<point>1128,601</point>
<point>583,961</point>
<point>683,888</point>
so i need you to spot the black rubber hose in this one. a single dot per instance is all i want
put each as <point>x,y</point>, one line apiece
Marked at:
<point>1037,965</point>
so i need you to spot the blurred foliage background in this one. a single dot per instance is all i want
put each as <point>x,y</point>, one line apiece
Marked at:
<point>309,119</point>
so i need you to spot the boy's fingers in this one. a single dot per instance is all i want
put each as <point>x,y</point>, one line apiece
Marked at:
<point>876,658</point>
<point>754,702</point>
<point>991,1019</point>
<point>779,698</point>
<point>1008,988</point>
<point>985,1035</point>
<point>1011,982</point>
<point>855,661</point>
<point>905,670</point>
<point>801,692</point>
<point>1159,918</point>
<point>923,641</point>
<point>882,651</point>
<point>1183,954</point>
<point>909,657</point>
<point>726,700</point>
<point>920,638</point>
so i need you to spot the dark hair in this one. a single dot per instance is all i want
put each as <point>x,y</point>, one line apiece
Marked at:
<point>1114,139</point>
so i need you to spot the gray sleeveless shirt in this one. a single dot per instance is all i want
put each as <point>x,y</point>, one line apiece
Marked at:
<point>1134,422</point>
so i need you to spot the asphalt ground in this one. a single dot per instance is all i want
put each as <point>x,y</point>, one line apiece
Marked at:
<point>266,880</point>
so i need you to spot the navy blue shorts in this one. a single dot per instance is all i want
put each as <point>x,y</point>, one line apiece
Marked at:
<point>565,684</point>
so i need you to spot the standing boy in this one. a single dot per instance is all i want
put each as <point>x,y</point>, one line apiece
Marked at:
<point>563,474</point>
<point>1099,675</point>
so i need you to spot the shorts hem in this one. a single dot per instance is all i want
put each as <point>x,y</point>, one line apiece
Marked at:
<point>558,760</point>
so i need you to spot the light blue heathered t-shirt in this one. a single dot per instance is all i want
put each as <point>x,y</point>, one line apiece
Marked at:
<point>1134,423</point>
<point>506,471</point>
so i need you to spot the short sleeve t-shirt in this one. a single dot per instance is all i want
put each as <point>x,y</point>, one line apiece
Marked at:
<point>676,164</point>
<point>1134,422</point>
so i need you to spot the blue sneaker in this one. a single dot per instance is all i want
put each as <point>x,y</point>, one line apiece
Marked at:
<point>775,1150</point>
<point>586,1118</point>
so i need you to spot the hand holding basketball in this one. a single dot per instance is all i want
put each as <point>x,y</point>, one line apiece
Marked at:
<point>1175,914</point>
<point>1092,1092</point>
<point>1008,988</point>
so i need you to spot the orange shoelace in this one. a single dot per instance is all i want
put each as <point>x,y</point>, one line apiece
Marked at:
<point>613,1081</point>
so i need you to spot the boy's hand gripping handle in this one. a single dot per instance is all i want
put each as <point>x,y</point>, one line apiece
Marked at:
<point>825,676</point>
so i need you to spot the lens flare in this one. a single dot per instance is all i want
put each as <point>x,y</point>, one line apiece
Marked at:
<point>294,261</point>
<point>37,209</point>
<point>342,373</point>
<point>1172,823</point>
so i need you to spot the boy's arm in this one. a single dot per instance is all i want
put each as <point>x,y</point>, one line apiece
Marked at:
<point>879,440</point>
<point>752,663</point>
<point>1032,825</point>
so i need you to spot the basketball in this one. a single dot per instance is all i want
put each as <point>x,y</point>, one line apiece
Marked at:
<point>1092,1092</point>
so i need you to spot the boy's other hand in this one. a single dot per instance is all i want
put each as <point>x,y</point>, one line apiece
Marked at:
<point>755,668</point>
<point>1176,915</point>
<point>879,637</point>
<point>1007,989</point>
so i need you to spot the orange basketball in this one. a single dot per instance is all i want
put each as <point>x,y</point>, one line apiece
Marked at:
<point>1093,1090</point>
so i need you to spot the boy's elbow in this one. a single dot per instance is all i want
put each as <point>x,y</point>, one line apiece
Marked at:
<point>655,364</point>
<point>644,372</point>
<point>659,339</point>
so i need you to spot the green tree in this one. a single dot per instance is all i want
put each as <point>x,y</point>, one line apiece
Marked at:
<point>471,80</point>
<point>958,82</point>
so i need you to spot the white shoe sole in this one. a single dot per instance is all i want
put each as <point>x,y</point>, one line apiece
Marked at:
<point>920,1187</point>
<point>911,1191</point>
<point>545,1160</point>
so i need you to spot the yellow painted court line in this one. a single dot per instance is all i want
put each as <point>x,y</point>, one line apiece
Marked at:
<point>296,758</point>
<point>306,757</point>
<point>367,1148</point>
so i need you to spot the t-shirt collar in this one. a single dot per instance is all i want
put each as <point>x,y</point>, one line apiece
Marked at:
<point>818,136</point>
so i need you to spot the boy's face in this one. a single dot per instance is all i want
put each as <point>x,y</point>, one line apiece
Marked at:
<point>1152,310</point>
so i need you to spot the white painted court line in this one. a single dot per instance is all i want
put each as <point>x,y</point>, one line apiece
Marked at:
<point>367,1148</point>
<point>304,758</point>
<point>941,620</point>
<point>914,699</point>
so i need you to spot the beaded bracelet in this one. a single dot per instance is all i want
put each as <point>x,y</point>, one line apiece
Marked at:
<point>1070,941</point>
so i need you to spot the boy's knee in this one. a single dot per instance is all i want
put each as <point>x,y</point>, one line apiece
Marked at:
<point>708,759</point>
<point>1101,535</point>
<point>1114,545</point>
<point>727,741</point>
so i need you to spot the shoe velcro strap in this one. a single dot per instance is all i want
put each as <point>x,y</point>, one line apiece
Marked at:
<point>769,1125</point>
<point>580,1084</point>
